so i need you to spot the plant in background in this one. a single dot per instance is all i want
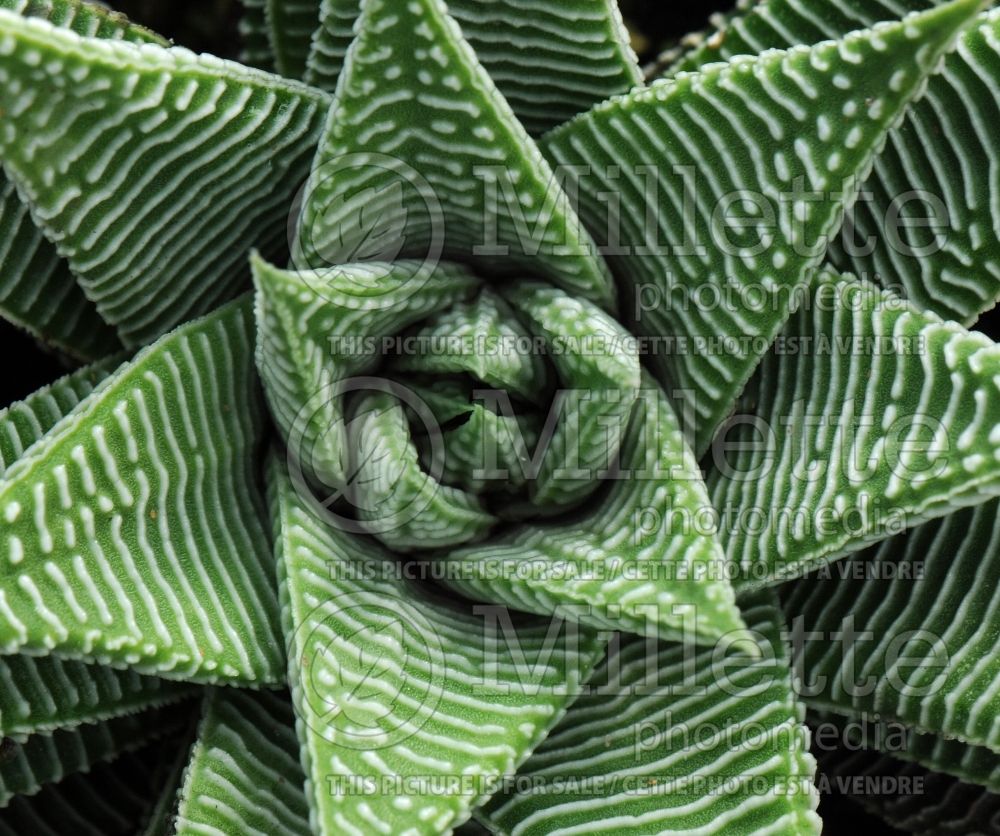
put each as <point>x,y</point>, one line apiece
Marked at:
<point>479,435</point>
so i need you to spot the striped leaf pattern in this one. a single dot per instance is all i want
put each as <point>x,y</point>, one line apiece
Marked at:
<point>390,679</point>
<point>37,290</point>
<point>634,559</point>
<point>132,532</point>
<point>111,799</point>
<point>46,758</point>
<point>244,776</point>
<point>170,166</point>
<point>290,28</point>
<point>551,59</point>
<point>868,417</point>
<point>944,806</point>
<point>45,693</point>
<point>395,178</point>
<point>307,325</point>
<point>626,757</point>
<point>940,153</point>
<point>919,648</point>
<point>256,44</point>
<point>970,764</point>
<point>764,130</point>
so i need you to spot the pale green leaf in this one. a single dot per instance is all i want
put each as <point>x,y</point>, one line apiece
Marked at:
<point>156,229</point>
<point>392,680</point>
<point>909,631</point>
<point>866,418</point>
<point>244,775</point>
<point>551,59</point>
<point>665,743</point>
<point>132,532</point>
<point>777,141</point>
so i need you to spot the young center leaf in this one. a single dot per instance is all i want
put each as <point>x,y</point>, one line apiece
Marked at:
<point>392,681</point>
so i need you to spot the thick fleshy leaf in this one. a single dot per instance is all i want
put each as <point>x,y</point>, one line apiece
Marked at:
<point>111,798</point>
<point>315,331</point>
<point>423,157</point>
<point>290,28</point>
<point>910,632</point>
<point>153,170</point>
<point>37,290</point>
<point>256,44</point>
<point>640,557</point>
<point>46,758</point>
<point>392,682</point>
<point>727,183</point>
<point>866,418</point>
<point>244,774</point>
<point>44,693</point>
<point>932,172</point>
<point>132,531</point>
<point>665,743</point>
<point>944,806</point>
<point>551,59</point>
<point>971,764</point>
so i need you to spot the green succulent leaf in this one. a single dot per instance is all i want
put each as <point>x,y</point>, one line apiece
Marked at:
<point>868,417</point>
<point>390,679</point>
<point>154,230</point>
<point>944,806</point>
<point>637,558</point>
<point>780,141</point>
<point>309,329</point>
<point>46,758</point>
<point>290,28</point>
<point>551,59</point>
<point>970,764</point>
<point>37,290</point>
<point>45,693</point>
<point>256,43</point>
<point>909,632</point>
<point>939,153</point>
<point>132,532</point>
<point>110,798</point>
<point>626,758</point>
<point>244,774</point>
<point>435,163</point>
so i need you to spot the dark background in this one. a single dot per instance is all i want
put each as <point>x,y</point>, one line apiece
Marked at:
<point>212,27</point>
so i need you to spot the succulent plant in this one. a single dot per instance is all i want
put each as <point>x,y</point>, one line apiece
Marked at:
<point>474,431</point>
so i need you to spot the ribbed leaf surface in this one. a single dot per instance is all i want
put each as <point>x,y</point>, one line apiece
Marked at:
<point>132,532</point>
<point>551,59</point>
<point>109,800</point>
<point>421,156</point>
<point>47,758</point>
<point>663,745</point>
<point>634,559</point>
<point>971,764</point>
<point>943,151</point>
<point>764,131</point>
<point>391,681</point>
<point>868,417</point>
<point>920,647</point>
<point>153,170</point>
<point>37,289</point>
<point>256,45</point>
<point>290,28</point>
<point>944,806</point>
<point>244,774</point>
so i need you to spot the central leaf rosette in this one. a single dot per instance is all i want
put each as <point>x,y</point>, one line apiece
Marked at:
<point>503,433</point>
